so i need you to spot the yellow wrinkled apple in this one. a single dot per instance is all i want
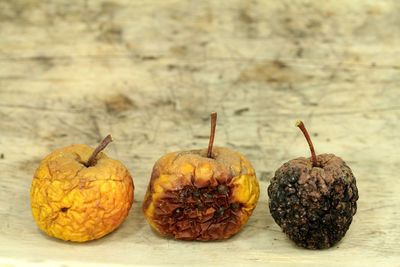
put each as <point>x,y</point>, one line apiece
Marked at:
<point>80,194</point>
<point>203,194</point>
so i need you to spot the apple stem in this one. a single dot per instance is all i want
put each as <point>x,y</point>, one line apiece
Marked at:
<point>300,124</point>
<point>213,125</point>
<point>108,139</point>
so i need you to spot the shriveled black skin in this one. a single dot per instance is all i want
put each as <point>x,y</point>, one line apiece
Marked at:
<point>314,206</point>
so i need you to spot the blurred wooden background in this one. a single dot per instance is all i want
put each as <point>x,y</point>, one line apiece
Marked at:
<point>150,72</point>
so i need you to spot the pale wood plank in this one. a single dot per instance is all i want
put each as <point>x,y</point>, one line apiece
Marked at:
<point>150,74</point>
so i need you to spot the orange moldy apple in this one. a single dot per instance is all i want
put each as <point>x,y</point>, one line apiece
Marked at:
<point>204,194</point>
<point>80,194</point>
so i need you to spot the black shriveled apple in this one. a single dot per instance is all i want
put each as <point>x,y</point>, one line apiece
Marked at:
<point>313,199</point>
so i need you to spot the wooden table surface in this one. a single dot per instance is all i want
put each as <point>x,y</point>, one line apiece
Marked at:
<point>150,72</point>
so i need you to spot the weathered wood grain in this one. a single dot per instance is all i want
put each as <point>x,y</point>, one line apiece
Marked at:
<point>150,72</point>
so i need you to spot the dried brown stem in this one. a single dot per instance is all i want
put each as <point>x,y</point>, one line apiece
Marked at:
<point>300,124</point>
<point>108,139</point>
<point>213,125</point>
